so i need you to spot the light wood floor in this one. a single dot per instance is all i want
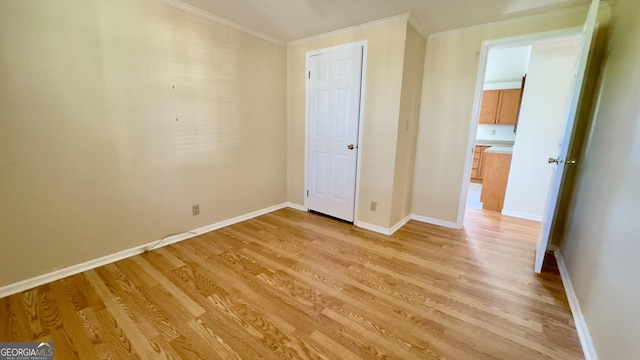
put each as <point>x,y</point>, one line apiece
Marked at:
<point>294,285</point>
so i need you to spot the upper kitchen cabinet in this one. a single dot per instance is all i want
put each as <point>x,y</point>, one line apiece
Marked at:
<point>500,107</point>
<point>489,106</point>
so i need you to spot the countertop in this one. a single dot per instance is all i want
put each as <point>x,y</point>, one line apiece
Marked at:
<point>489,142</point>
<point>499,150</point>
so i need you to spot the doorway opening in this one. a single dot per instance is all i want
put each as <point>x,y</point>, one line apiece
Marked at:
<point>525,97</point>
<point>581,40</point>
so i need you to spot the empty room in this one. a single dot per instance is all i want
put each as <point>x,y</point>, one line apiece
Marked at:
<point>291,179</point>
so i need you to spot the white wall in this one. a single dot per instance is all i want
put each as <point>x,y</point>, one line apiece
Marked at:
<point>540,127</point>
<point>117,116</point>
<point>505,65</point>
<point>495,132</point>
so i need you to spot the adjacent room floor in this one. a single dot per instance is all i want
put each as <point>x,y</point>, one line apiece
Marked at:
<point>294,285</point>
<point>473,199</point>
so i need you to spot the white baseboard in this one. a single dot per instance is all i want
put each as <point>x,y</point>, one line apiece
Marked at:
<point>428,220</point>
<point>381,229</point>
<point>71,270</point>
<point>521,215</point>
<point>237,219</point>
<point>92,264</point>
<point>578,318</point>
<point>297,206</point>
<point>375,228</point>
<point>400,224</point>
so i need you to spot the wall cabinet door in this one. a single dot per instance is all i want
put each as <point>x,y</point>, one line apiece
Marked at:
<point>500,107</point>
<point>509,107</point>
<point>489,106</point>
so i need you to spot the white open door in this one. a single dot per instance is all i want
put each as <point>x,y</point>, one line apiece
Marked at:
<point>561,160</point>
<point>334,90</point>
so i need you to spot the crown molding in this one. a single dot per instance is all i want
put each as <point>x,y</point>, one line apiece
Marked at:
<point>392,19</point>
<point>413,20</point>
<point>219,20</point>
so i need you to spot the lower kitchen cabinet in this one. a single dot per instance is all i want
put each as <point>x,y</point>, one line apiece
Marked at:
<point>494,184</point>
<point>478,160</point>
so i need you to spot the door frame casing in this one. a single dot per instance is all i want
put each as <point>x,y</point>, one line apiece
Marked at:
<point>364,44</point>
<point>508,42</point>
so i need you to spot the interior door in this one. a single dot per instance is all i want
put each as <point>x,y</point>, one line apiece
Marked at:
<point>561,161</point>
<point>335,79</point>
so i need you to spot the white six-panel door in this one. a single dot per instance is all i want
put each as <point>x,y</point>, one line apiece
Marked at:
<point>335,79</point>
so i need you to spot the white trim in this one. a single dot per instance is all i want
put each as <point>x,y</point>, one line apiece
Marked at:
<point>514,41</point>
<point>361,143</point>
<point>297,206</point>
<point>522,215</point>
<point>237,219</point>
<point>398,18</point>
<point>71,270</point>
<point>578,318</point>
<point>381,229</point>
<point>413,21</point>
<point>92,264</point>
<point>400,224</point>
<point>375,228</point>
<point>363,83</point>
<point>176,4</point>
<point>438,222</point>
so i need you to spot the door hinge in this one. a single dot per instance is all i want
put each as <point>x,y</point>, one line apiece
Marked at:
<point>307,193</point>
<point>309,75</point>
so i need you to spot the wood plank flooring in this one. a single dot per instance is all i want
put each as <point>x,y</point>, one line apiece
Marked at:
<point>294,285</point>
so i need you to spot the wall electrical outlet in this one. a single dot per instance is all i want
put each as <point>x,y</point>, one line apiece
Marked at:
<point>374,205</point>
<point>195,209</point>
<point>493,132</point>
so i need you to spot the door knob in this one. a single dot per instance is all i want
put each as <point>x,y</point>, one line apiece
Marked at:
<point>558,161</point>
<point>350,146</point>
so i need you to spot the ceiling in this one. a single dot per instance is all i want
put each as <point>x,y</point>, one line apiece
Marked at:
<point>288,20</point>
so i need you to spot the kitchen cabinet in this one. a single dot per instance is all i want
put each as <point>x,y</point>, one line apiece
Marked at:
<point>477,167</point>
<point>494,184</point>
<point>500,107</point>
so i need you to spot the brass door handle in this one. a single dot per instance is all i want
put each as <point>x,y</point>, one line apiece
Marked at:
<point>350,147</point>
<point>558,161</point>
